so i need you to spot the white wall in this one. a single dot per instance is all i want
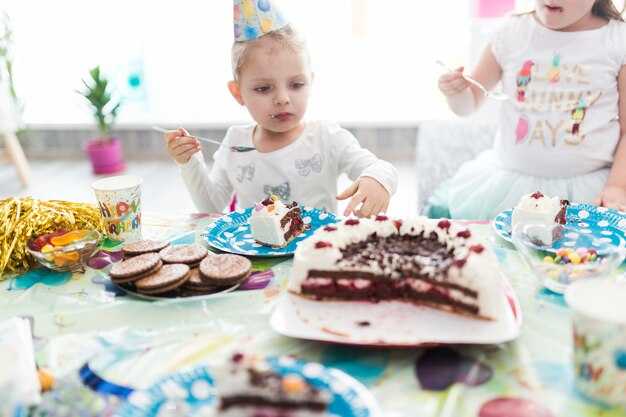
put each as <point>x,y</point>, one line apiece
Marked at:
<point>373,59</point>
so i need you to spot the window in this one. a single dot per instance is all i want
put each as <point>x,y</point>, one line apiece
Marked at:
<point>374,60</point>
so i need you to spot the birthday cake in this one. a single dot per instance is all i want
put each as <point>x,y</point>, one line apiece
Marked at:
<point>546,214</point>
<point>247,385</point>
<point>275,223</point>
<point>422,261</point>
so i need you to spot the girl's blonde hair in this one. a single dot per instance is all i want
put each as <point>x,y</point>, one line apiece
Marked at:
<point>607,10</point>
<point>286,37</point>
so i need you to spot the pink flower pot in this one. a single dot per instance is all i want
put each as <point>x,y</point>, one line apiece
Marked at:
<point>105,155</point>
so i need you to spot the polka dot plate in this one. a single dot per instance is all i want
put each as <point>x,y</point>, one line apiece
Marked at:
<point>588,226</point>
<point>231,233</point>
<point>193,393</point>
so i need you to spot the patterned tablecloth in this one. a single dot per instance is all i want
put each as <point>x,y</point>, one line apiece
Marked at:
<point>80,323</point>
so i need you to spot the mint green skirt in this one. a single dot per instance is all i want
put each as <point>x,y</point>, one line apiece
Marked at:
<point>481,189</point>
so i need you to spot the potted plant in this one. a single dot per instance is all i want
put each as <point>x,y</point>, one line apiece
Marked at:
<point>105,151</point>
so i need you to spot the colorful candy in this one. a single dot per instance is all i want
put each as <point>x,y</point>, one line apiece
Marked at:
<point>56,249</point>
<point>572,256</point>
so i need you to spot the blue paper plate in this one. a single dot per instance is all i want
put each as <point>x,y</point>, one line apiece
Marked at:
<point>588,226</point>
<point>231,233</point>
<point>193,393</point>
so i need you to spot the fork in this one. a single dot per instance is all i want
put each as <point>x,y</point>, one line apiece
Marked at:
<point>214,141</point>
<point>496,95</point>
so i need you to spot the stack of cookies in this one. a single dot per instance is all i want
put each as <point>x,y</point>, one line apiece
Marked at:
<point>156,268</point>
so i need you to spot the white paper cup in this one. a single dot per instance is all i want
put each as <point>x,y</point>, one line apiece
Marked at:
<point>599,329</point>
<point>119,199</point>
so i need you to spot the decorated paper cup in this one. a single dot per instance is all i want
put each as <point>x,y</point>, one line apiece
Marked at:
<point>119,199</point>
<point>599,328</point>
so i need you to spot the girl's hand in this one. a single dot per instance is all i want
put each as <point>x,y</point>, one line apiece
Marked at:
<point>366,190</point>
<point>453,83</point>
<point>181,146</point>
<point>612,197</point>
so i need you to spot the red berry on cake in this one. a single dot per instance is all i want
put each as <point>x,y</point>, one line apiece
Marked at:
<point>352,222</point>
<point>465,234</point>
<point>321,245</point>
<point>477,248</point>
<point>444,224</point>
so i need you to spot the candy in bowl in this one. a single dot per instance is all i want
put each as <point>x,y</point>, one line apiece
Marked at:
<point>64,250</point>
<point>566,260</point>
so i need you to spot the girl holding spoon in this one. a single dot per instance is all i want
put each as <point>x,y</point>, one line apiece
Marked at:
<point>561,130</point>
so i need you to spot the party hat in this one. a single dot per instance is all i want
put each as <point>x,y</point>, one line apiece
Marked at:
<point>255,18</point>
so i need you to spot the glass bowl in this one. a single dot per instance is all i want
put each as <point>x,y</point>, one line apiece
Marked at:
<point>557,266</point>
<point>64,251</point>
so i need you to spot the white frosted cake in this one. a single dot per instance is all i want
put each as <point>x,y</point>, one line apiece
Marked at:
<point>422,261</point>
<point>545,212</point>
<point>248,385</point>
<point>275,223</point>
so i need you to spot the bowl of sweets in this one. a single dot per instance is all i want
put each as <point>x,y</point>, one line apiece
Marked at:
<point>64,250</point>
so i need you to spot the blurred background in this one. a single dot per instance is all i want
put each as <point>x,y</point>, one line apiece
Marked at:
<point>168,64</point>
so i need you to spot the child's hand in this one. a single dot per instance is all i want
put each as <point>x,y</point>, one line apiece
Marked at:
<point>180,145</point>
<point>612,197</point>
<point>371,193</point>
<point>452,83</point>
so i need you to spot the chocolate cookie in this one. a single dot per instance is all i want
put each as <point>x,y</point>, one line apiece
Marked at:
<point>195,283</point>
<point>183,254</point>
<point>168,278</point>
<point>136,267</point>
<point>143,246</point>
<point>224,270</point>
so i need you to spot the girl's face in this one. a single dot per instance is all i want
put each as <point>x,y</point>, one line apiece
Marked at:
<point>563,14</point>
<point>274,85</point>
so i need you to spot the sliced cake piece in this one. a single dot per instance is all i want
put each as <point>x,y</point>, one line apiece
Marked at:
<point>248,386</point>
<point>423,261</point>
<point>548,213</point>
<point>275,223</point>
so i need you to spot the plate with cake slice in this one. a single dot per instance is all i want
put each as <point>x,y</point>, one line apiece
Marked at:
<point>384,282</point>
<point>247,384</point>
<point>566,225</point>
<point>271,228</point>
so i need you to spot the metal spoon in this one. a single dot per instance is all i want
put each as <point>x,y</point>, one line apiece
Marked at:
<point>496,95</point>
<point>214,141</point>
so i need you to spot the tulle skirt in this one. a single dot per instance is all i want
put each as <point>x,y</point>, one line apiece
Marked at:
<point>481,189</point>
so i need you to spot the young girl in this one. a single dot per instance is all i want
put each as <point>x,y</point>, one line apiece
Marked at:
<point>561,131</point>
<point>294,160</point>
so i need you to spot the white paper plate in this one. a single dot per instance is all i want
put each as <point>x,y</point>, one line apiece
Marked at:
<point>392,323</point>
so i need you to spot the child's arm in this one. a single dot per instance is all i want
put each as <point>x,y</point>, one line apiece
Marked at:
<point>375,180</point>
<point>614,193</point>
<point>464,98</point>
<point>210,192</point>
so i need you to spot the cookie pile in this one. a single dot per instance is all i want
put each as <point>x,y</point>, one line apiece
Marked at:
<point>157,268</point>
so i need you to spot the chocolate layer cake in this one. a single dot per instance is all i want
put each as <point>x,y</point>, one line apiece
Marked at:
<point>421,261</point>
<point>248,385</point>
<point>275,223</point>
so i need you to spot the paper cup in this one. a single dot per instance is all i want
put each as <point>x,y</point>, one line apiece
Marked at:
<point>599,328</point>
<point>119,199</point>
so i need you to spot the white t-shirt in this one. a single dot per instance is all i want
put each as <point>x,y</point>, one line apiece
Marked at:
<point>562,119</point>
<point>305,171</point>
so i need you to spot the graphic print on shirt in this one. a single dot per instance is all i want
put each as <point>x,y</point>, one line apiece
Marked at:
<point>521,131</point>
<point>554,74</point>
<point>523,78</point>
<point>305,166</point>
<point>578,114</point>
<point>552,91</point>
<point>245,172</point>
<point>282,190</point>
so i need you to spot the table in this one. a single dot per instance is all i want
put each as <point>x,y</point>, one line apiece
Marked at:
<point>133,343</point>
